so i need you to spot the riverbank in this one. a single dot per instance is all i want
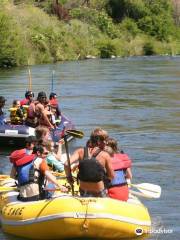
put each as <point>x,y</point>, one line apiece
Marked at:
<point>29,35</point>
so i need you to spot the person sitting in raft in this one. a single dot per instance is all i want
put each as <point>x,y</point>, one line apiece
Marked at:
<point>42,134</point>
<point>32,172</point>
<point>54,157</point>
<point>30,142</point>
<point>42,112</point>
<point>16,113</point>
<point>94,167</point>
<point>98,131</point>
<point>29,95</point>
<point>2,113</point>
<point>32,118</point>
<point>53,101</point>
<point>121,164</point>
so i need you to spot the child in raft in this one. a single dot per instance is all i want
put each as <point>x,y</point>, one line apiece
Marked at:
<point>121,164</point>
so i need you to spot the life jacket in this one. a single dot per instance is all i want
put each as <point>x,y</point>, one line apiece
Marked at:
<point>54,103</point>
<point>15,117</point>
<point>16,155</point>
<point>120,162</point>
<point>31,119</point>
<point>24,101</point>
<point>26,173</point>
<point>25,110</point>
<point>90,169</point>
<point>23,163</point>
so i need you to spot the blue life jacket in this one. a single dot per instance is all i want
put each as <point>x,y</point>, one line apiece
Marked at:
<point>26,174</point>
<point>119,179</point>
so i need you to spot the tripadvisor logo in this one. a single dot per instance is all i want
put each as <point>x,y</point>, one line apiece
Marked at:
<point>139,231</point>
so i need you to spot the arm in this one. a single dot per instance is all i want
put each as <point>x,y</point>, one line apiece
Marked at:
<point>52,179</point>
<point>108,166</point>
<point>129,173</point>
<point>75,157</point>
<point>59,152</point>
<point>13,172</point>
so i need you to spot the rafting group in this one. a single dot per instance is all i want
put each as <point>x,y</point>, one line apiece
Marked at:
<point>86,193</point>
<point>33,113</point>
<point>101,169</point>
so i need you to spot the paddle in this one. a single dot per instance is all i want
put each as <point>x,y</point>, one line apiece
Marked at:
<point>148,189</point>
<point>76,134</point>
<point>30,78</point>
<point>52,81</point>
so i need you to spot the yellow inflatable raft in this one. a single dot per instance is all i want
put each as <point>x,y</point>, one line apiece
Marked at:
<point>65,216</point>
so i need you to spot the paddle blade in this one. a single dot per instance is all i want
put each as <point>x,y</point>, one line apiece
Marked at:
<point>148,189</point>
<point>75,133</point>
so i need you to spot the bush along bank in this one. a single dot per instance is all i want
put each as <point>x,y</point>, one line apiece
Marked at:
<point>31,34</point>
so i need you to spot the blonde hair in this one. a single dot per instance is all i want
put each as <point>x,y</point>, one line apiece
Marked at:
<point>109,150</point>
<point>41,132</point>
<point>47,144</point>
<point>111,142</point>
<point>99,132</point>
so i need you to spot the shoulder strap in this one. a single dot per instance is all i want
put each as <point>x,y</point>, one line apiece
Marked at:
<point>86,156</point>
<point>97,152</point>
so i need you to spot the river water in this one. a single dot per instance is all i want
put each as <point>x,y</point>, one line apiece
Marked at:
<point>137,100</point>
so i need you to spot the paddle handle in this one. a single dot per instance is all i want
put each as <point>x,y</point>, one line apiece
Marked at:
<point>69,164</point>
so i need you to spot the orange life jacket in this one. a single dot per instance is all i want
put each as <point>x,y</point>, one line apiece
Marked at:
<point>121,161</point>
<point>20,157</point>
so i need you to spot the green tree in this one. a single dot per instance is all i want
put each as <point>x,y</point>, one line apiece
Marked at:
<point>11,49</point>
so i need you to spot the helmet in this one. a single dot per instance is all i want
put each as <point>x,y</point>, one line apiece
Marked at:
<point>29,94</point>
<point>41,95</point>
<point>52,95</point>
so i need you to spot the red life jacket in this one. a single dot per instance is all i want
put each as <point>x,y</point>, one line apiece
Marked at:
<point>20,157</point>
<point>24,160</point>
<point>121,161</point>
<point>53,102</point>
<point>16,155</point>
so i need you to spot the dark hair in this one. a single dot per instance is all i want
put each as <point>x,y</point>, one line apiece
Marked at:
<point>52,95</point>
<point>28,94</point>
<point>97,141</point>
<point>2,99</point>
<point>41,95</point>
<point>15,102</point>
<point>38,148</point>
<point>30,139</point>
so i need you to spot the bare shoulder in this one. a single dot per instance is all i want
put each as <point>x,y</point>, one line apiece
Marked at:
<point>77,154</point>
<point>80,152</point>
<point>105,155</point>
